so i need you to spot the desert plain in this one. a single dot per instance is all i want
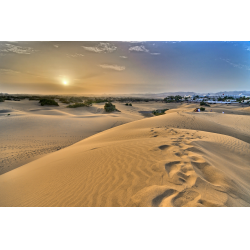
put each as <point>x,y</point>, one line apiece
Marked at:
<point>85,157</point>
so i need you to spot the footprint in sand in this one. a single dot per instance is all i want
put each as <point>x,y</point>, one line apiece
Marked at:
<point>158,199</point>
<point>184,197</point>
<point>164,147</point>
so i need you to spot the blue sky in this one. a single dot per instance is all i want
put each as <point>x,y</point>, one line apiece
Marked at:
<point>123,67</point>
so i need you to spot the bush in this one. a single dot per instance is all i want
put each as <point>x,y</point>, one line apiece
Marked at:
<point>109,107</point>
<point>99,100</point>
<point>204,104</point>
<point>34,98</point>
<point>75,99</point>
<point>48,102</point>
<point>159,112</point>
<point>202,109</point>
<point>128,104</point>
<point>2,99</point>
<point>87,103</point>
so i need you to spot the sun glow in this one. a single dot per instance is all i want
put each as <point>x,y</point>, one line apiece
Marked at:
<point>65,82</point>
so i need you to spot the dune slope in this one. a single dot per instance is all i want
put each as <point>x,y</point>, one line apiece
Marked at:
<point>178,159</point>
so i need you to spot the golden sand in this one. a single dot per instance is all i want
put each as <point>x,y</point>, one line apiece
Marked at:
<point>181,158</point>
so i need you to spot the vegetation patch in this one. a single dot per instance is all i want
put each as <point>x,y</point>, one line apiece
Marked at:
<point>109,107</point>
<point>159,111</point>
<point>75,99</point>
<point>87,103</point>
<point>204,104</point>
<point>2,99</point>
<point>171,98</point>
<point>48,102</point>
<point>128,104</point>
<point>32,98</point>
<point>197,109</point>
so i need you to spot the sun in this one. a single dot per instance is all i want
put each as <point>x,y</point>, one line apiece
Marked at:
<point>65,82</point>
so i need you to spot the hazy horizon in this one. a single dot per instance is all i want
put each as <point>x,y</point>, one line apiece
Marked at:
<point>99,68</point>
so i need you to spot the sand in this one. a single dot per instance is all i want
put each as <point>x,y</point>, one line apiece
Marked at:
<point>178,159</point>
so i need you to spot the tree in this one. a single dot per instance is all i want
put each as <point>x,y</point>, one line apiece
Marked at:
<point>177,98</point>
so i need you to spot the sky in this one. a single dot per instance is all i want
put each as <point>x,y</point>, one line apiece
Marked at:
<point>125,67</point>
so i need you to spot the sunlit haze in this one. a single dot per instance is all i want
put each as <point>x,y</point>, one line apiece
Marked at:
<point>123,67</point>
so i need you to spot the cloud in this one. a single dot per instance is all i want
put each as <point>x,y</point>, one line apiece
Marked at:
<point>8,72</point>
<point>173,41</point>
<point>17,49</point>
<point>124,57</point>
<point>155,54</point>
<point>133,41</point>
<point>138,48</point>
<point>112,66</point>
<point>236,65</point>
<point>102,47</point>
<point>75,55</point>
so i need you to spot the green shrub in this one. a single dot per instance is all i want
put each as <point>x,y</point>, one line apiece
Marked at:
<point>159,112</point>
<point>2,99</point>
<point>128,104</point>
<point>66,102</point>
<point>75,99</point>
<point>99,100</point>
<point>87,103</point>
<point>34,98</point>
<point>204,104</point>
<point>109,107</point>
<point>202,109</point>
<point>48,102</point>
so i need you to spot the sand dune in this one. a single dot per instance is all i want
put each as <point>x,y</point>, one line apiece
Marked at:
<point>178,159</point>
<point>32,131</point>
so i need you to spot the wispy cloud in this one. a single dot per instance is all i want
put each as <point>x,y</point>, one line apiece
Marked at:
<point>138,48</point>
<point>17,49</point>
<point>8,72</point>
<point>132,41</point>
<point>112,66</point>
<point>142,48</point>
<point>236,65</point>
<point>124,57</point>
<point>173,41</point>
<point>101,48</point>
<point>75,55</point>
